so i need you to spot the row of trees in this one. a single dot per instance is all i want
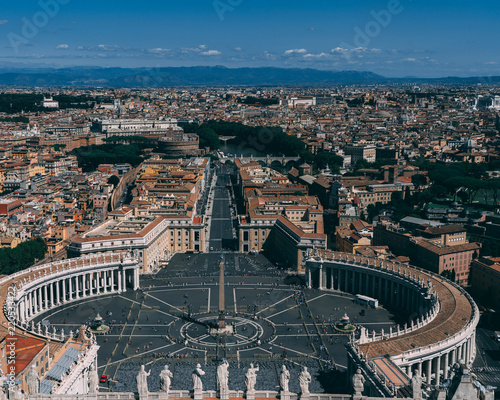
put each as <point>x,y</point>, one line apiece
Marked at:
<point>463,180</point>
<point>267,140</point>
<point>21,257</point>
<point>11,103</point>
<point>208,136</point>
<point>322,159</point>
<point>90,157</point>
<point>20,119</point>
<point>256,100</point>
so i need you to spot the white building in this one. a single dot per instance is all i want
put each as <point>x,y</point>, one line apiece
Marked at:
<point>487,103</point>
<point>50,103</point>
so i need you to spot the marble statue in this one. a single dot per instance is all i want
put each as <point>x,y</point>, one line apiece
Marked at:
<point>304,380</point>
<point>93,379</point>
<point>358,383</point>
<point>251,377</point>
<point>416,384</point>
<point>197,374</point>
<point>284,379</point>
<point>166,379</point>
<point>33,381</point>
<point>142,380</point>
<point>223,376</point>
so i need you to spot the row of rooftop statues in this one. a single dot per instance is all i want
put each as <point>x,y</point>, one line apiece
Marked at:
<point>223,379</point>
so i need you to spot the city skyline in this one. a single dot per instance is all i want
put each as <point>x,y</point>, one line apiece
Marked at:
<point>395,38</point>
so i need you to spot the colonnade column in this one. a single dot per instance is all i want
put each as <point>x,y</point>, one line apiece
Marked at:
<point>30,303</point>
<point>386,294</point>
<point>70,288</point>
<point>58,297</point>
<point>63,283</point>
<point>105,281</point>
<point>51,294</point>
<point>112,280</point>
<point>429,369</point>
<point>446,365</point>
<point>320,279</point>
<point>97,283</point>
<point>76,288</point>
<point>119,279</point>
<point>45,298</point>
<point>136,281</point>
<point>124,280</point>
<point>437,362</point>
<point>39,299</point>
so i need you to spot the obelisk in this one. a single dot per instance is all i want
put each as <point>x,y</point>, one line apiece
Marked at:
<point>222,323</point>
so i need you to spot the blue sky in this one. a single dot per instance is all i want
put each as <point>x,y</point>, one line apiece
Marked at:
<point>390,37</point>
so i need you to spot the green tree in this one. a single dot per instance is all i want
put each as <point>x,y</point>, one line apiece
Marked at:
<point>114,180</point>
<point>21,257</point>
<point>418,181</point>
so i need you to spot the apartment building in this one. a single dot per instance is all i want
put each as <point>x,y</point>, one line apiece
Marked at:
<point>154,239</point>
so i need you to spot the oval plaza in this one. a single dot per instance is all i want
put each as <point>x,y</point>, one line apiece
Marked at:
<point>438,336</point>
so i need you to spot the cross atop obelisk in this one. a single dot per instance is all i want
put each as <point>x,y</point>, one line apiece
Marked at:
<point>222,324</point>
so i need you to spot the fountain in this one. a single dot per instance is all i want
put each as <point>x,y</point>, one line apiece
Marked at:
<point>344,325</point>
<point>97,327</point>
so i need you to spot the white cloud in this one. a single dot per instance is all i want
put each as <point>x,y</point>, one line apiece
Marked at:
<point>341,50</point>
<point>4,22</point>
<point>158,50</point>
<point>295,51</point>
<point>490,63</point>
<point>62,47</point>
<point>409,59</point>
<point>211,53</point>
<point>203,46</point>
<point>238,49</point>
<point>102,47</point>
<point>356,50</point>
<point>317,56</point>
<point>109,47</point>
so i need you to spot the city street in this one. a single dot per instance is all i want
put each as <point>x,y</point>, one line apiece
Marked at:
<point>222,226</point>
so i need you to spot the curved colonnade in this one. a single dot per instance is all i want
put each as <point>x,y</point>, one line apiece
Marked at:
<point>30,292</point>
<point>442,318</point>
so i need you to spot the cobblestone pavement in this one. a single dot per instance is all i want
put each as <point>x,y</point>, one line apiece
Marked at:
<point>140,321</point>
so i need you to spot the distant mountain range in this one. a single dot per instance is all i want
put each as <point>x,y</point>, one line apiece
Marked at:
<point>209,76</point>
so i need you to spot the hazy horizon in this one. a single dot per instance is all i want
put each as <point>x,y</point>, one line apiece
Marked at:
<point>392,38</point>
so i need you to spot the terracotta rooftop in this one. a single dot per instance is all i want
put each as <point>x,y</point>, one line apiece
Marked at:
<point>448,249</point>
<point>441,230</point>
